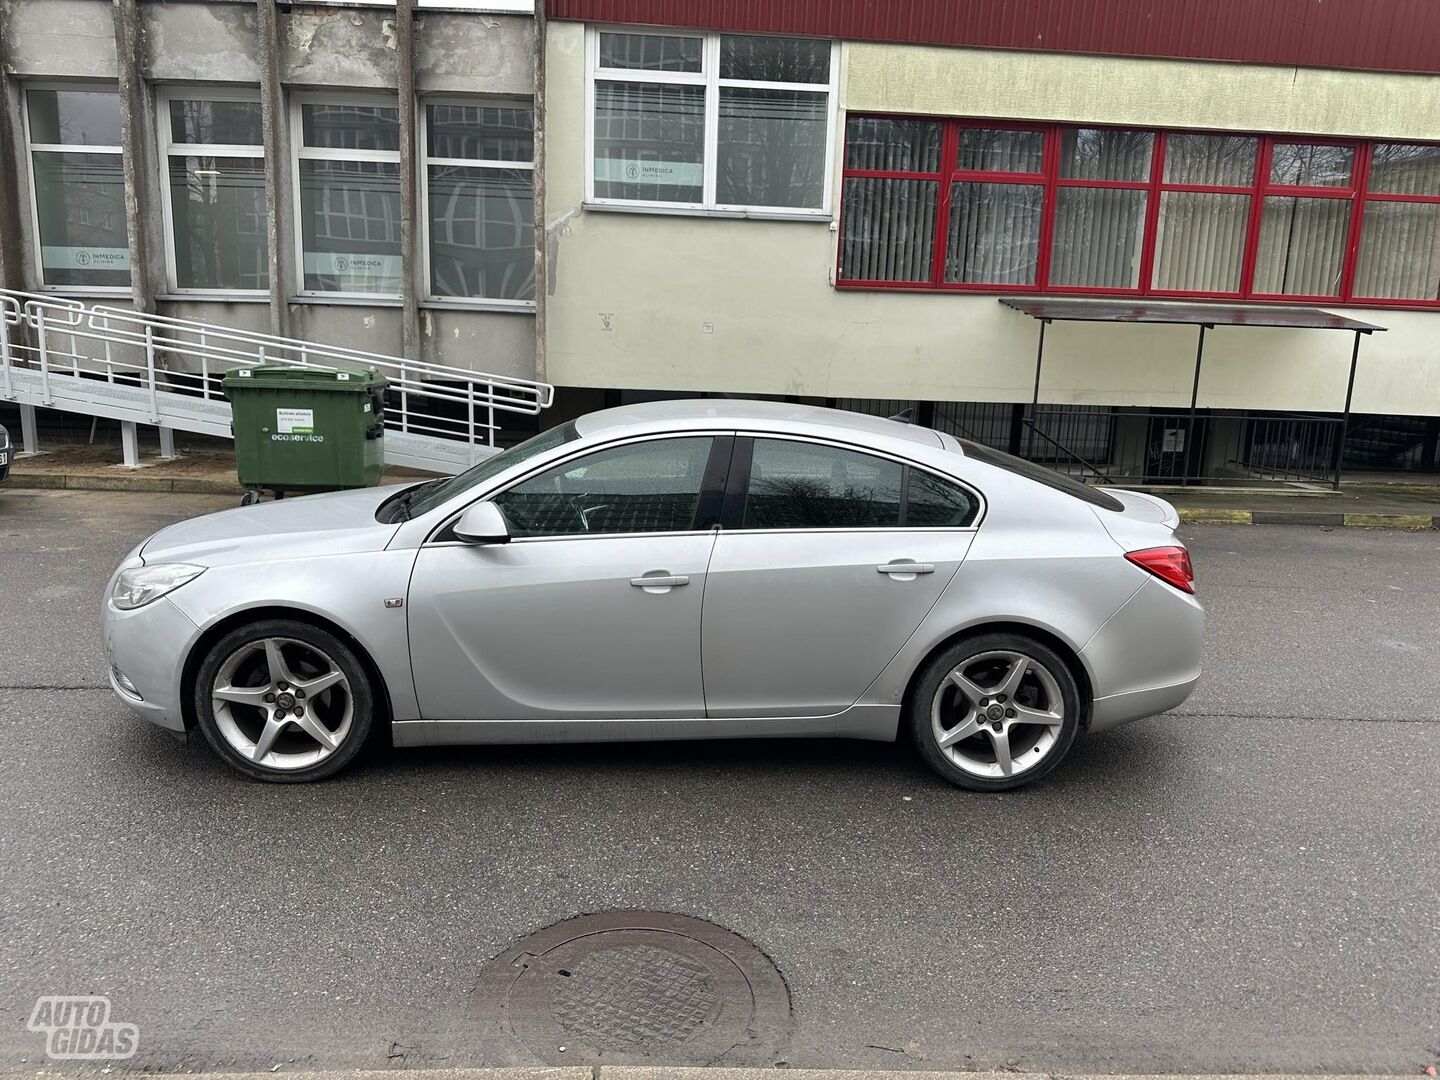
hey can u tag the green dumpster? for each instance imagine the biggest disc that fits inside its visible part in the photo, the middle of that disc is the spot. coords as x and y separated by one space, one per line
306 429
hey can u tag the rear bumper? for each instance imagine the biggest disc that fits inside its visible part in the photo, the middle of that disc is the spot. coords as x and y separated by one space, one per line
1146 658
1111 712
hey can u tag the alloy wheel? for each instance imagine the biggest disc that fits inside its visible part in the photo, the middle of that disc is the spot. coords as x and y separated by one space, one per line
282 703
998 714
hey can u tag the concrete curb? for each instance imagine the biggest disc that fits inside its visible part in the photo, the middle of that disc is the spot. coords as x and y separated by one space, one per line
1208 516
648 1072
182 485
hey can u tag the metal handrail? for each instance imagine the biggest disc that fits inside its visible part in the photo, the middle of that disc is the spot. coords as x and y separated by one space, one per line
1030 423
141 348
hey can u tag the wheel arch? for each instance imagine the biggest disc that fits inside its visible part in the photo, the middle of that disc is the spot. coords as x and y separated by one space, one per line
1038 633
236 619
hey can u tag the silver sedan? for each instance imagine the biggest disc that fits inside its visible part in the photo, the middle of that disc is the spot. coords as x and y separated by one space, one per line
671 571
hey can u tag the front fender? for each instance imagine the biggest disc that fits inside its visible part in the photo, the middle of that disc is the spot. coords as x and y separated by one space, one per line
348 590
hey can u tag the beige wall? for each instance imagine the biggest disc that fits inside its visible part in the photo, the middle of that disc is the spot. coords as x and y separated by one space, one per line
693 303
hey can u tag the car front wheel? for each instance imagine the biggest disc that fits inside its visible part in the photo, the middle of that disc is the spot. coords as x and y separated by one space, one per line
995 712
284 701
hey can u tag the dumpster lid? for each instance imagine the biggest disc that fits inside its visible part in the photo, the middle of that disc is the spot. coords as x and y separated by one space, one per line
307 378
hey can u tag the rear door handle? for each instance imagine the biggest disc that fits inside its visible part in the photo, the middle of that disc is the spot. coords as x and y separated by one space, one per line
910 568
659 581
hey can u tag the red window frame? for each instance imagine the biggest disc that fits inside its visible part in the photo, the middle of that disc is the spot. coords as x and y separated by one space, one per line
1356 193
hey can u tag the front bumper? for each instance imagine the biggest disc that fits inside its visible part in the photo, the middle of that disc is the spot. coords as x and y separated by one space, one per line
149 645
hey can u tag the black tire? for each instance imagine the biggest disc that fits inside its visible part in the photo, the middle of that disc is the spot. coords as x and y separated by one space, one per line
920 717
304 637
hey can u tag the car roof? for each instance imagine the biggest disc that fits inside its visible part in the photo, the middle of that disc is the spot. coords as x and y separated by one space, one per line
777 416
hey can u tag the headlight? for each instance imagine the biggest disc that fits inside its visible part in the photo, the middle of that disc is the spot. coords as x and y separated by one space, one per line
138 587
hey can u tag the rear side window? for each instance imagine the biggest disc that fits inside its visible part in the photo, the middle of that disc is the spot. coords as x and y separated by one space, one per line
797 485
1041 475
801 485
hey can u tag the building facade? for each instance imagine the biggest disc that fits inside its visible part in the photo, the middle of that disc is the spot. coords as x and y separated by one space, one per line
828 200
251 165
822 201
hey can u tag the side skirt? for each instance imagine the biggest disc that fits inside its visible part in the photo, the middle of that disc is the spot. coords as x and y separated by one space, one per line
879 723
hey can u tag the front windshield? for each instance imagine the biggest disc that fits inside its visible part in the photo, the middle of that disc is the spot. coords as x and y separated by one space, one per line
428 496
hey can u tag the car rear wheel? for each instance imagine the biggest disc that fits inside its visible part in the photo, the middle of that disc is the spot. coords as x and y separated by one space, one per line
995 712
284 701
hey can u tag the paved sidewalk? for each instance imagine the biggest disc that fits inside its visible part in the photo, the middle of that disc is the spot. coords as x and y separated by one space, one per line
207 466
662 1072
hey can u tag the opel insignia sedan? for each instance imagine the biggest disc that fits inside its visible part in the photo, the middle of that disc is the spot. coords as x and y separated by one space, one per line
679 570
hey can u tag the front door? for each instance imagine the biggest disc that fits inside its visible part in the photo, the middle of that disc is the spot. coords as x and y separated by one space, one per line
834 559
592 610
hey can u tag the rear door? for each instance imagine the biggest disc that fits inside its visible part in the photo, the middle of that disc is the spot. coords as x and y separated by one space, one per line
828 559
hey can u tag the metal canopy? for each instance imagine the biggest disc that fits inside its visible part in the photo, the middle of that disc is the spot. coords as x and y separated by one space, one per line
1300 318
1206 316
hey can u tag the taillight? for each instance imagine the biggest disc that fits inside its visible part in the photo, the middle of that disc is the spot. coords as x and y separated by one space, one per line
1170 564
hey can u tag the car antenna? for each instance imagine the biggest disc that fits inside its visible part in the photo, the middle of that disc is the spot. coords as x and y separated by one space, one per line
905 416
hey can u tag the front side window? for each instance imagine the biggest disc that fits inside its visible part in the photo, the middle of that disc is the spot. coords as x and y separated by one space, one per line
1000 206
73 140
348 179
479 194
214 167
711 121
644 487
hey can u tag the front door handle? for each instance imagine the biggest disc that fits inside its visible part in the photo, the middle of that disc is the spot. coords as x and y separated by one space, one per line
659 580
905 568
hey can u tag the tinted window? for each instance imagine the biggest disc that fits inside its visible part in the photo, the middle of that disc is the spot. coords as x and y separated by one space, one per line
640 488
936 503
796 485
1041 475
428 496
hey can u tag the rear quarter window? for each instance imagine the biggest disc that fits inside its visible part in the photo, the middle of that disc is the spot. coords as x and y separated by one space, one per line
1041 475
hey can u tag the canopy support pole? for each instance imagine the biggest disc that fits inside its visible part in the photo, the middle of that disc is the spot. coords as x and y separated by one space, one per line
1191 436
1035 397
1345 417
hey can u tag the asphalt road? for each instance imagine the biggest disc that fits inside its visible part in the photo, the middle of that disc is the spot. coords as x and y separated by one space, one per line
1249 884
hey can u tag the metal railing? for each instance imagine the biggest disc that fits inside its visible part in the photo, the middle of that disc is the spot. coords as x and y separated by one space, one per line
56 335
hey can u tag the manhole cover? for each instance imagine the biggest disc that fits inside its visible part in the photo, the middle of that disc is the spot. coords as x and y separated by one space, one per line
628 987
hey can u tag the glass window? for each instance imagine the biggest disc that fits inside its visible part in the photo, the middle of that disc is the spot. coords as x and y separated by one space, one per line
771 150
762 105
433 493
935 503
1001 150
651 52
798 485
1302 246
349 174
1405 169
644 487
994 233
1105 154
74 117
774 59
1213 160
1399 251
1098 233
215 172
1200 241
79 186
887 229
1301 165
885 145
649 142
1041 475
480 201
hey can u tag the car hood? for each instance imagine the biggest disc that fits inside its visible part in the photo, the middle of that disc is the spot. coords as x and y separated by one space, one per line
338 523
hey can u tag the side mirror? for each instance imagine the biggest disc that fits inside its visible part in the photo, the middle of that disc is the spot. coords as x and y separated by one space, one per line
483 523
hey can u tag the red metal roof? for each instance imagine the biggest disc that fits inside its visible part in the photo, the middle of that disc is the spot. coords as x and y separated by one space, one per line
1380 35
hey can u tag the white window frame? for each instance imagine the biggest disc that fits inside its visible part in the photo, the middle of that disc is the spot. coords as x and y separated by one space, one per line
31 147
709 77
168 149
425 161
300 152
